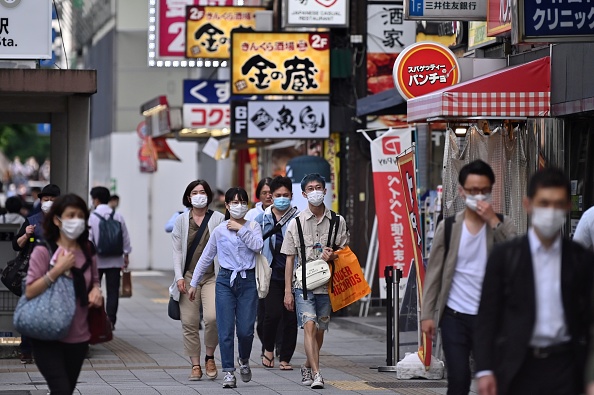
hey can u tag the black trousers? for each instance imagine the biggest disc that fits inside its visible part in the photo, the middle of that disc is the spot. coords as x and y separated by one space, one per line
457 330
278 319
555 375
60 364
112 284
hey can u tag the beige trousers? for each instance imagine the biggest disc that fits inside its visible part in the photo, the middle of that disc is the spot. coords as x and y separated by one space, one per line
190 316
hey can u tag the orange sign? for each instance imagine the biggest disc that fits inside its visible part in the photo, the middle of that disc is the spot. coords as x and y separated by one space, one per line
499 17
423 68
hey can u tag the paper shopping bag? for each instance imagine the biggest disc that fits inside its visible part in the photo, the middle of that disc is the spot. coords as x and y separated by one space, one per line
126 288
348 280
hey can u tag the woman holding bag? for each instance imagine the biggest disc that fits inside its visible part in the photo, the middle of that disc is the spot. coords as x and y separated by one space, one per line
236 242
190 234
66 231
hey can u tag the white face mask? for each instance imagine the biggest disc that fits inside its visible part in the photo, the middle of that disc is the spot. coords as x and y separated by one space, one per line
45 206
472 200
199 201
72 228
238 212
315 198
548 221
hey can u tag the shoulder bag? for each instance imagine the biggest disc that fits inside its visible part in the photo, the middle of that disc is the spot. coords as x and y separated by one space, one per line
16 269
263 271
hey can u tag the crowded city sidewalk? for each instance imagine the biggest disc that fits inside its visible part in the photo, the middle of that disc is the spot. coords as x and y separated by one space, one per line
146 357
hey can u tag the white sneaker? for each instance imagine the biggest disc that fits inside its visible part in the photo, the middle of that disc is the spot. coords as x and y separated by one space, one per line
229 380
245 371
318 381
306 378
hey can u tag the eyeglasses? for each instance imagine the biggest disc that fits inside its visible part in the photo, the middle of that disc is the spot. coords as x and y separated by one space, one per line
478 191
311 189
236 203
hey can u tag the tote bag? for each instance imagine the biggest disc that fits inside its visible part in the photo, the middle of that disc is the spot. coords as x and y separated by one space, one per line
99 325
349 282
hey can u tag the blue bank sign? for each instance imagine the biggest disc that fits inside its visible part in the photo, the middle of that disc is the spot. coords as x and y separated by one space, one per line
554 21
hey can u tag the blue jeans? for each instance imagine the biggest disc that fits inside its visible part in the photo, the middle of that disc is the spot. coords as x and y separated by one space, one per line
236 306
316 308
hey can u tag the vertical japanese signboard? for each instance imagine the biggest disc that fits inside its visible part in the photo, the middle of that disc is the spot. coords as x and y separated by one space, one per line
294 119
452 10
25 29
206 104
550 21
208 29
316 13
280 63
395 239
499 17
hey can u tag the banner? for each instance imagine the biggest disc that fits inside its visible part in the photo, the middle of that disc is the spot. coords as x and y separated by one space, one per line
331 150
208 29
265 63
390 205
291 119
406 163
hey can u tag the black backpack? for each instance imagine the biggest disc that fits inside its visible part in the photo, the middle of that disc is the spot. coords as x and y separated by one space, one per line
111 238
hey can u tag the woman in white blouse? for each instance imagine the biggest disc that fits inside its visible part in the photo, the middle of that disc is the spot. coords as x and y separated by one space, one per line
235 242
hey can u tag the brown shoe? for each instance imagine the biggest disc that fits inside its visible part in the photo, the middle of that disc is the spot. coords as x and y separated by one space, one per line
196 373
211 369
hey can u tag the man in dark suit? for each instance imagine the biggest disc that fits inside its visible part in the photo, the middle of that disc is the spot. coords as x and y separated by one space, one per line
533 320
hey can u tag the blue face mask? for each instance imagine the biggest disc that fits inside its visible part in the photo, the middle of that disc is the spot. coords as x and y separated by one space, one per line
282 203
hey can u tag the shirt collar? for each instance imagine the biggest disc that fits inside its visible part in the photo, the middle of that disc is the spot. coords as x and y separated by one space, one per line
309 214
537 246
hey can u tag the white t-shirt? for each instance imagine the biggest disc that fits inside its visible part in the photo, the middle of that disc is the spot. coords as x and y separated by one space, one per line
584 233
467 283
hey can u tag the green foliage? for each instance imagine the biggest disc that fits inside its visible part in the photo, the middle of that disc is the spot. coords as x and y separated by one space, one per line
23 140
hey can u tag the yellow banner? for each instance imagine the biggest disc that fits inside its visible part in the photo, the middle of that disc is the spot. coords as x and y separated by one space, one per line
331 149
266 63
208 29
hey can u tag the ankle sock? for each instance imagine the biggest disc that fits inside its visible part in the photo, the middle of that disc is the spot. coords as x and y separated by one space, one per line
206 358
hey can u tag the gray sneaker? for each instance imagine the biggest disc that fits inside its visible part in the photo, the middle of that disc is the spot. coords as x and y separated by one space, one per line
306 378
318 381
229 380
245 371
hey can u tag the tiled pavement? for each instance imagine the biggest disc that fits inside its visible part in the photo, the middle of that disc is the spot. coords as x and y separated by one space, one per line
146 358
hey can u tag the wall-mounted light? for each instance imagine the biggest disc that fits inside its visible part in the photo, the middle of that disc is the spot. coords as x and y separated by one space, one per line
460 131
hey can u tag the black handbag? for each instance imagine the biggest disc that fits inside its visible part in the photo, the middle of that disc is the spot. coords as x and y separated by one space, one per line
173 309
16 270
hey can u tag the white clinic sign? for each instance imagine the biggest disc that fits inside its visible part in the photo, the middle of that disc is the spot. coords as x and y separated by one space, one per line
25 29
306 13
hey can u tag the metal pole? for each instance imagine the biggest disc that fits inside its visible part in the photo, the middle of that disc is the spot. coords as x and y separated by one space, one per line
391 319
396 277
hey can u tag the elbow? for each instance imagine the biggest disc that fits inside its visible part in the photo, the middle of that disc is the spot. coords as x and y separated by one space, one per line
28 293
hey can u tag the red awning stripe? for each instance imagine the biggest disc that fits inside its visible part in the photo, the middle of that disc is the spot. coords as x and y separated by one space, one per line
520 91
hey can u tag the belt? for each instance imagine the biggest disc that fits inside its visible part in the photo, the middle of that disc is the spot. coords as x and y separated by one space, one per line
545 352
454 312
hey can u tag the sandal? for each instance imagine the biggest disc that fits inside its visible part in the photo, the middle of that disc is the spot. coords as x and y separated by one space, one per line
285 366
270 361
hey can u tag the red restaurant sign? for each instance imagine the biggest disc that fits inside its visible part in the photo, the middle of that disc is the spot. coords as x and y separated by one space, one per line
499 17
423 68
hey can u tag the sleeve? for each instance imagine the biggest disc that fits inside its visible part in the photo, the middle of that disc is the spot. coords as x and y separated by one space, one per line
171 222
126 235
208 255
15 245
433 274
343 233
38 264
251 235
583 234
506 231
289 247
176 242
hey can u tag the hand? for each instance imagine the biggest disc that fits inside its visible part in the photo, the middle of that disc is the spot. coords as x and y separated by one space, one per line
181 285
590 388
234 225
328 254
192 293
289 301
95 297
29 230
65 261
487 385
428 328
126 261
485 211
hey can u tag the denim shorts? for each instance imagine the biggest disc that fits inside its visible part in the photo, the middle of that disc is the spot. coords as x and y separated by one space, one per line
316 308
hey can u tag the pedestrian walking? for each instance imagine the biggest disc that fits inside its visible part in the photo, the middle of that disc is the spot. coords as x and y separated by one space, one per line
278 320
109 233
190 235
584 232
535 308
456 269
66 231
236 241
314 308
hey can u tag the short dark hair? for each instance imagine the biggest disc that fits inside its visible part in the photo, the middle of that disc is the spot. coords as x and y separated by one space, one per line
100 193
14 204
51 231
550 177
264 181
241 194
279 182
193 185
477 167
35 189
114 197
313 177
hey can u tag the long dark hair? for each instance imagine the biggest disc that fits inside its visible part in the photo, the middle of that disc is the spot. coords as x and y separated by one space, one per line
52 231
241 194
193 185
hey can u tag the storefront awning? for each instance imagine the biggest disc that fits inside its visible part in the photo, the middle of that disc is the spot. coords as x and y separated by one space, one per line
388 102
520 91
